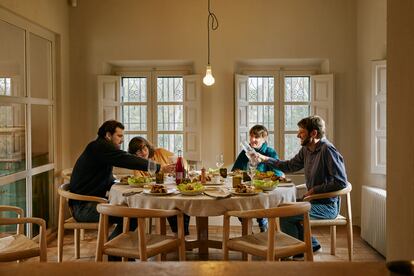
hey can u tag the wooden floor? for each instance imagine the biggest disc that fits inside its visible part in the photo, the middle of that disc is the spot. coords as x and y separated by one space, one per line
362 251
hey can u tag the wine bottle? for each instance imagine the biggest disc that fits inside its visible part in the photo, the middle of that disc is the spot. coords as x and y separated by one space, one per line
179 169
250 152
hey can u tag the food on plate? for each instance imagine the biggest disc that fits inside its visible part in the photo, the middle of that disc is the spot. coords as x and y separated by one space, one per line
264 175
244 189
191 187
124 179
158 189
139 181
265 184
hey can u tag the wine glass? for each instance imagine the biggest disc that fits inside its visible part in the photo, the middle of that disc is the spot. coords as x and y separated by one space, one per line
219 160
251 169
152 167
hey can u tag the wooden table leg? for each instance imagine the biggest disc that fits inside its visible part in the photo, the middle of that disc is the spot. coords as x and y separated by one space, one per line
202 236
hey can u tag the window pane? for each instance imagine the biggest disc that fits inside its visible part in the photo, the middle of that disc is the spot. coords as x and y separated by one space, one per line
13 194
134 117
271 140
261 89
41 130
292 145
12 53
12 139
171 142
262 115
170 117
293 114
134 90
170 89
297 89
128 137
40 51
42 198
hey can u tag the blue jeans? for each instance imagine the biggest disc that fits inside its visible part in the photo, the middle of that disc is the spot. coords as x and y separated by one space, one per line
86 212
293 225
261 221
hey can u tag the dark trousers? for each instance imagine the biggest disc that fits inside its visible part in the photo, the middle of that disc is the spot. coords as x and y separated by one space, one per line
173 224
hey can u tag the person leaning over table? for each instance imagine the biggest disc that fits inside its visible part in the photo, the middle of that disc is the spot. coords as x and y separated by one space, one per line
324 172
92 173
258 141
141 147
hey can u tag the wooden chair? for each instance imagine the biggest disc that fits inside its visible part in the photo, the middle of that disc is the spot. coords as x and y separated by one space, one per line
17 247
137 244
71 223
339 220
66 174
272 244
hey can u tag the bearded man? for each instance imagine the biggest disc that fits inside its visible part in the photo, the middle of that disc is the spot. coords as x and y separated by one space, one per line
324 171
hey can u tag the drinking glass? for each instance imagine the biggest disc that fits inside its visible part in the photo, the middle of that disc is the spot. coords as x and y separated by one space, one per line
152 167
251 169
219 160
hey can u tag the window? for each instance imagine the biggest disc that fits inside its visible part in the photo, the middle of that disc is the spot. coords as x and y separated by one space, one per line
27 115
379 117
168 118
163 107
278 100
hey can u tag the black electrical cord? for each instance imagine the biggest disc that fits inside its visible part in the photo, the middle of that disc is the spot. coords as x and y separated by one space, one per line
214 26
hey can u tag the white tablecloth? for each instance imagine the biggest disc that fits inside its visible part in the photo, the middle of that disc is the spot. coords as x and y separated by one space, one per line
202 205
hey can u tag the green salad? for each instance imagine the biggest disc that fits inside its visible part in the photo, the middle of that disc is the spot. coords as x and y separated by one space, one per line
139 181
260 184
191 187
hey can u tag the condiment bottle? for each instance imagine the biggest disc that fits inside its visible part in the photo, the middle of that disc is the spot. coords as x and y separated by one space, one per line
179 169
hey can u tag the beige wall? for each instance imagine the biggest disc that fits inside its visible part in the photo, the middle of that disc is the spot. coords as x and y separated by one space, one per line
371 45
54 16
400 131
103 31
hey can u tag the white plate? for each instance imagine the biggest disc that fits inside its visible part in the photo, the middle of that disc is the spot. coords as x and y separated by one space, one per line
268 188
286 184
217 193
191 193
244 194
169 192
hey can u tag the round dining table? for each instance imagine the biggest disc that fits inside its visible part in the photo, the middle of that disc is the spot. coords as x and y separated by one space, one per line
202 206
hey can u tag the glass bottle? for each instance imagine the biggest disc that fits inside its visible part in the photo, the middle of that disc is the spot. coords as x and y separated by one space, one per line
203 177
179 168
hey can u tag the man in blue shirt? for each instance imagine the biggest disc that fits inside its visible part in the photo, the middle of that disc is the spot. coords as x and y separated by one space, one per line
258 141
324 172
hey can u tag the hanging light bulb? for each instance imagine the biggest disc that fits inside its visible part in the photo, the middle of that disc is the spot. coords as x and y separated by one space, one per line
208 78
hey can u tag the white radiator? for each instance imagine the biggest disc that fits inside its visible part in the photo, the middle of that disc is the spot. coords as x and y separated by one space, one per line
373 217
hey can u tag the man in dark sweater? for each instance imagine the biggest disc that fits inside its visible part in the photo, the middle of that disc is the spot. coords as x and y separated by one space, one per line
92 173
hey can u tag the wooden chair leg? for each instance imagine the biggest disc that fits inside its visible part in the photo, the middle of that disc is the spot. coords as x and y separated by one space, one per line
77 243
350 241
181 236
333 239
61 229
100 239
226 237
82 234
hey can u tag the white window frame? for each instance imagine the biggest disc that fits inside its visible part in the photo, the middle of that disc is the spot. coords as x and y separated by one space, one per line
279 104
27 101
379 117
191 105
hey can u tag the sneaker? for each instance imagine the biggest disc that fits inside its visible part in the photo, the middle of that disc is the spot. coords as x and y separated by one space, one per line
315 249
263 228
